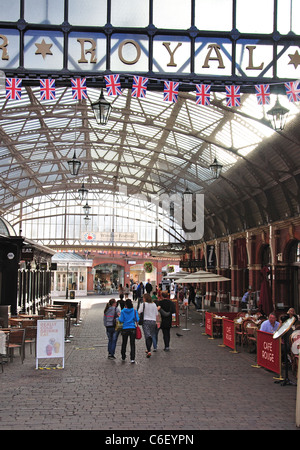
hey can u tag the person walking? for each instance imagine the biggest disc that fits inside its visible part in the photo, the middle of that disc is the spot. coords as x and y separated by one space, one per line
148 287
139 294
109 319
149 324
129 317
166 308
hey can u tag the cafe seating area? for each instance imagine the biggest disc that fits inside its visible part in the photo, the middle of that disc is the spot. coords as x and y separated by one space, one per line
246 326
243 330
21 331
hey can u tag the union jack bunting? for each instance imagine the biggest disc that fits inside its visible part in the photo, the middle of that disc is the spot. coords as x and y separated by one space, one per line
139 87
47 89
292 91
13 88
203 94
263 94
79 88
113 84
171 91
233 96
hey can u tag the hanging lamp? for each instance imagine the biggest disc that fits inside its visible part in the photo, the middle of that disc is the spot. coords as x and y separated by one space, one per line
102 109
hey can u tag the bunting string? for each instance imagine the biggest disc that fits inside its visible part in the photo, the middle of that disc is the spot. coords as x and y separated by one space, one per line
139 90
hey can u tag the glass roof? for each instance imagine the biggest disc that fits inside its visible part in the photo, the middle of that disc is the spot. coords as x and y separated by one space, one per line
149 145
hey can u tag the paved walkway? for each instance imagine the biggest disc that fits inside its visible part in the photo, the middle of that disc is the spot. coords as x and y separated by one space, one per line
196 386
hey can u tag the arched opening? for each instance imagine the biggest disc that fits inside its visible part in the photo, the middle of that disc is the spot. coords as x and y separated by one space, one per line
107 278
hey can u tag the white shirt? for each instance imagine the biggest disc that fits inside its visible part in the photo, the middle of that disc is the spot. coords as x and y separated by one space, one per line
150 311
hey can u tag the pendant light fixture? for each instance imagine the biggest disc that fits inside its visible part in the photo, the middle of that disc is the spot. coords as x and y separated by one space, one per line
216 168
278 115
102 109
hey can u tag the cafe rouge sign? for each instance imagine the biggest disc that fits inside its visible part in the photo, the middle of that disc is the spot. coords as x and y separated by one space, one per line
88 52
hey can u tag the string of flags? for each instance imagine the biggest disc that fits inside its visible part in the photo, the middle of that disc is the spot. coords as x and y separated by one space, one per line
139 90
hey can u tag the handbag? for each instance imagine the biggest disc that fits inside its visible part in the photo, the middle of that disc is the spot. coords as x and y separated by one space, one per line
119 325
138 331
141 316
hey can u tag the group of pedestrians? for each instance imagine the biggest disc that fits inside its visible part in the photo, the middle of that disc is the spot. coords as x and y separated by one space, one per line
156 315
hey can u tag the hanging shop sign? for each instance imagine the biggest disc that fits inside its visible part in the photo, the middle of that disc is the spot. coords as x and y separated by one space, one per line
211 257
27 253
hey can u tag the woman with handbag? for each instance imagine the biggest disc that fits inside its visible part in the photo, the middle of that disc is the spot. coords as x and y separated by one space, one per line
149 311
129 317
109 320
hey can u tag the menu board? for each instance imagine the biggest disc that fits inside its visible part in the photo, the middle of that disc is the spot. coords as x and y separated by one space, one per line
50 338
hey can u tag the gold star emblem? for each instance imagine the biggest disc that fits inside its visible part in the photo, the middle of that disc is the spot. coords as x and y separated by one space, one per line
295 59
43 49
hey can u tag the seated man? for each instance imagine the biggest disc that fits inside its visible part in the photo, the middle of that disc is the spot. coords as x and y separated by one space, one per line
270 325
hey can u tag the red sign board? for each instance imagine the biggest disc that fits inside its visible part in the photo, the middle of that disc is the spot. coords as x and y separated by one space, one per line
228 333
268 351
209 323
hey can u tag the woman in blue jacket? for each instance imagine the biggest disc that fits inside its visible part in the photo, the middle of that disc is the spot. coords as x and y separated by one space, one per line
129 317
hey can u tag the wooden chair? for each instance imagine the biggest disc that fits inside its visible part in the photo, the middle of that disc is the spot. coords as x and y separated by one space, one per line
239 334
217 327
60 314
251 331
30 337
27 323
16 339
3 338
14 321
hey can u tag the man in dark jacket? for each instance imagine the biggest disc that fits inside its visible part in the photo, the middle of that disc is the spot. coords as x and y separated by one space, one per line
166 308
148 287
139 293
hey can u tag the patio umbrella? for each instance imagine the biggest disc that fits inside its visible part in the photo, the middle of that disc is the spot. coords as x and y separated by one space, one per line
175 275
205 278
265 299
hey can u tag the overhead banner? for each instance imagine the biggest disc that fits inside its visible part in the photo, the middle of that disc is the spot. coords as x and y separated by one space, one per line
87 52
107 236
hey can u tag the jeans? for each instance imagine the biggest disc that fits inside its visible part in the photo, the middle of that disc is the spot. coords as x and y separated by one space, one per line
155 338
128 333
198 302
112 335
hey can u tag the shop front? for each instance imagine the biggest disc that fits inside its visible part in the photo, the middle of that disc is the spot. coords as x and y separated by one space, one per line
143 273
70 276
107 278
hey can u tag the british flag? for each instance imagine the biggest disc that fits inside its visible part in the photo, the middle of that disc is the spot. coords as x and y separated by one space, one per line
263 94
13 88
47 89
233 96
113 84
139 87
203 94
79 88
171 91
292 91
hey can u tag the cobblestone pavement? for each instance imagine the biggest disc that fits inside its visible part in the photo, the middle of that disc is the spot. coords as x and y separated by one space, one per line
198 385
